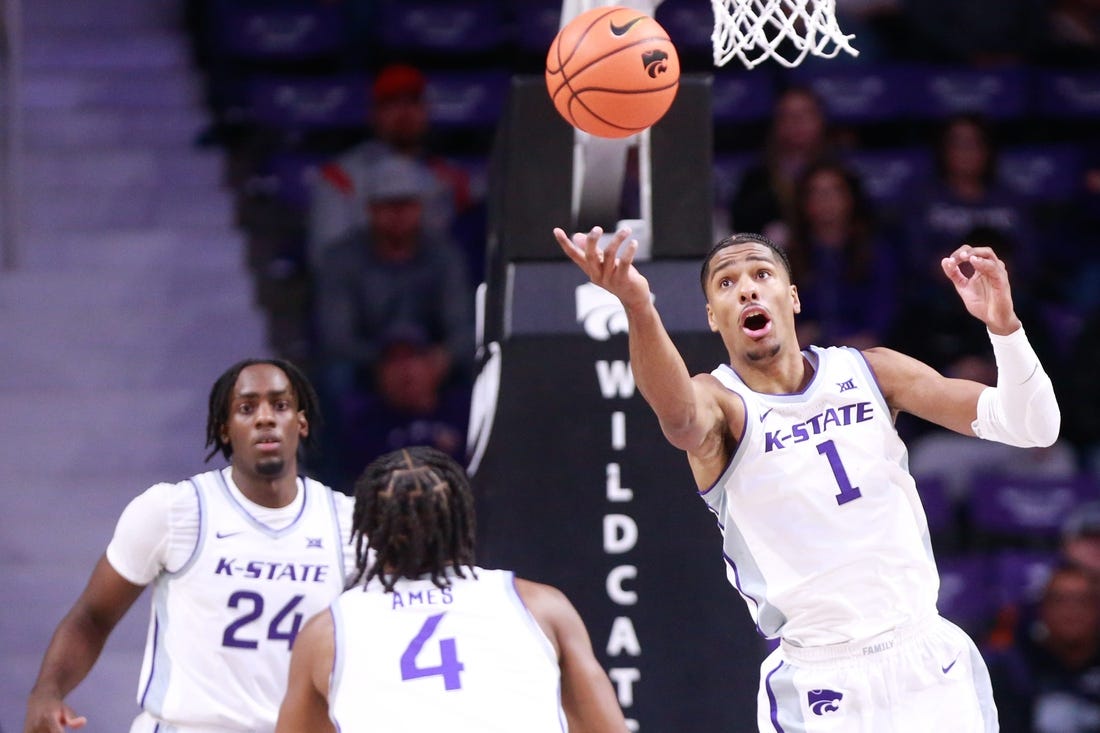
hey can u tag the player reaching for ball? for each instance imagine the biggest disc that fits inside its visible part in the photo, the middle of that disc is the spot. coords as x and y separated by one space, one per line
238 557
796 454
423 640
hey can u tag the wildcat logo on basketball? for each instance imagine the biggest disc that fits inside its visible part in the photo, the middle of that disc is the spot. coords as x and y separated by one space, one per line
824 701
654 62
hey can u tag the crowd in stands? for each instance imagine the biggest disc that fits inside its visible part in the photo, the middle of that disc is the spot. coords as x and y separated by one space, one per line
357 136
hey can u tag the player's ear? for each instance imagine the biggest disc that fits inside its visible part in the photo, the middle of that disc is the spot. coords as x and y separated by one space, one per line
795 300
303 424
710 319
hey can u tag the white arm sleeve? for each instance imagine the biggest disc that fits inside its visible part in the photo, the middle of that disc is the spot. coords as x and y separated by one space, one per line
1021 410
156 531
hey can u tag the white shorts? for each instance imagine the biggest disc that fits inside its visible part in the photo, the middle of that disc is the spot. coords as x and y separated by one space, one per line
926 676
146 723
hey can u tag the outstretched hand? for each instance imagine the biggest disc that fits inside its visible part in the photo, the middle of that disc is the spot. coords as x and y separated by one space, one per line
981 280
611 268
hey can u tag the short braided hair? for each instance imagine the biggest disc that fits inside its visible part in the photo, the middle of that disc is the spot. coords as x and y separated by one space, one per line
414 508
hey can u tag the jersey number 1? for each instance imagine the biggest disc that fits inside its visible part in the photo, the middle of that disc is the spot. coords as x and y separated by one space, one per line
847 491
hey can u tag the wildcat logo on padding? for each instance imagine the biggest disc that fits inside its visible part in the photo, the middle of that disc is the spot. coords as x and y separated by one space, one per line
600 312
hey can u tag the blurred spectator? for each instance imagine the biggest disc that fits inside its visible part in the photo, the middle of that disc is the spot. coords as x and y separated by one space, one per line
964 193
1080 541
1048 680
1072 34
411 404
844 271
391 272
400 125
797 137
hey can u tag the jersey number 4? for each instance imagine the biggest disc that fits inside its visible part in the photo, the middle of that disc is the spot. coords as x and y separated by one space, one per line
847 491
448 667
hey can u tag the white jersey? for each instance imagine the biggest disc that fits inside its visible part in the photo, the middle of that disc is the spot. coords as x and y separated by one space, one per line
469 657
824 534
223 623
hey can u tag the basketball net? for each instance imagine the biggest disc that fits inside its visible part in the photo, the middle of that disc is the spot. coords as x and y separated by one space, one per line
784 30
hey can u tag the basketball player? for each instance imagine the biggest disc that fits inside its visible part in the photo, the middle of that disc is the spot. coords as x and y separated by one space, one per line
238 558
796 454
424 640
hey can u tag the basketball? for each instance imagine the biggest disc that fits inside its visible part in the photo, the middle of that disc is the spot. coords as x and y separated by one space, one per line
612 71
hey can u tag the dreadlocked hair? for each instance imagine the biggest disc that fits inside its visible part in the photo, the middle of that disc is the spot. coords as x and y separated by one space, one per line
221 396
415 510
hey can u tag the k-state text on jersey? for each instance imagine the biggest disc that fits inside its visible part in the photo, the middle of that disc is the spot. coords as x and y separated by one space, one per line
267 570
849 414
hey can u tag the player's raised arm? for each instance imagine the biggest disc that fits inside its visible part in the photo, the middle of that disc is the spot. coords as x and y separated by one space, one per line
1022 409
687 411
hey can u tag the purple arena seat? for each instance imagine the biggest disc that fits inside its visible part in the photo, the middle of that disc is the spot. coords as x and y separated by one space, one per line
999 94
890 175
296 103
859 95
1027 506
741 97
1043 173
965 596
1021 575
466 98
536 22
442 26
285 175
937 504
287 31
1069 94
688 23
728 168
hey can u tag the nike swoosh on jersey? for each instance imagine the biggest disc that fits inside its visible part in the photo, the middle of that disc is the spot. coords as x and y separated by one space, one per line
764 414
948 667
223 535
620 30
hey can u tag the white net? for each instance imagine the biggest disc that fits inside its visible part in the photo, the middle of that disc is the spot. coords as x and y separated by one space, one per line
785 30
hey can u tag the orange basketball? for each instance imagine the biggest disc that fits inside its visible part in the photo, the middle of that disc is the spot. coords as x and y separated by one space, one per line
612 71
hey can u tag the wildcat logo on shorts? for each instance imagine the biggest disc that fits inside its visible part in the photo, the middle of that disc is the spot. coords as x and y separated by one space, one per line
824 701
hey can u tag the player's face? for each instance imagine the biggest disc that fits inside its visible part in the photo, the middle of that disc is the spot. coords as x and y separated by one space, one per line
750 301
265 425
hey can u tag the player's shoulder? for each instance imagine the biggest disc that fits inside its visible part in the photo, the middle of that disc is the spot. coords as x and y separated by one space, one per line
540 596
885 362
188 488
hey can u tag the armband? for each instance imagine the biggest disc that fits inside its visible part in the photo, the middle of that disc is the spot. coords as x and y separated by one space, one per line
1021 410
